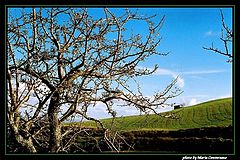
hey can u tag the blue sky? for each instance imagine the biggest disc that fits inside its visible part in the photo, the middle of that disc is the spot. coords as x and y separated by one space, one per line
204 75
185 32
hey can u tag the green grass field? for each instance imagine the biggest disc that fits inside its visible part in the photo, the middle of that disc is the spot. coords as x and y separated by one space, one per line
208 114
207 126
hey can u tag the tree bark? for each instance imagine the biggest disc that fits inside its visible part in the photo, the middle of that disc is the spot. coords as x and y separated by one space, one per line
54 123
24 142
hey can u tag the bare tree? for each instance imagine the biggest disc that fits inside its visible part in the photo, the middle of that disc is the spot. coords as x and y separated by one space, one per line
226 38
61 61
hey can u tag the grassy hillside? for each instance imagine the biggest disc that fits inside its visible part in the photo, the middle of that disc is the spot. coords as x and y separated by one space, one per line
208 114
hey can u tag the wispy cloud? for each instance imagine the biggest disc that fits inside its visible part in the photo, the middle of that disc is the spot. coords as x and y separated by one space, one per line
192 102
181 82
200 98
201 72
220 97
197 96
211 33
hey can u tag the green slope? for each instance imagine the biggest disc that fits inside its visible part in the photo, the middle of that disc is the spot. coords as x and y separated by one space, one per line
212 113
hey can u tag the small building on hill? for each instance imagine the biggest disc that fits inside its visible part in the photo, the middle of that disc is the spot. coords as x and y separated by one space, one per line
177 106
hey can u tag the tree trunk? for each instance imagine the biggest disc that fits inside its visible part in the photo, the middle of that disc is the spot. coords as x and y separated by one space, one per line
24 142
55 126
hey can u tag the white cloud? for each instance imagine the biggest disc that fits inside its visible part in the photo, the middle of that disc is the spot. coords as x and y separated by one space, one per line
202 72
161 71
197 99
192 102
222 96
209 33
123 111
189 100
226 96
100 111
181 82
197 96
